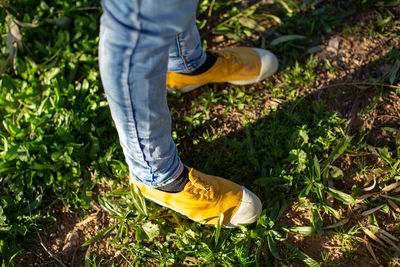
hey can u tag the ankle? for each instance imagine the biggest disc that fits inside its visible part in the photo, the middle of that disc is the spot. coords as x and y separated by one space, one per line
208 63
178 184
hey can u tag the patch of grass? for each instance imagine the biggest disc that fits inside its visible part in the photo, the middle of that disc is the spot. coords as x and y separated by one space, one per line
55 120
58 144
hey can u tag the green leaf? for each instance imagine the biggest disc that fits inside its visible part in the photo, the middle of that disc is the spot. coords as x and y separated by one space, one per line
287 38
107 206
316 221
332 211
337 151
140 234
339 195
138 200
319 192
33 205
388 3
120 231
393 72
3 217
38 166
272 246
151 229
99 235
299 158
278 209
7 168
11 128
285 6
265 221
218 227
86 195
267 16
305 191
49 78
5 229
335 172
385 154
304 136
301 230
302 256
251 23
315 49
373 220
274 211
87 258
317 168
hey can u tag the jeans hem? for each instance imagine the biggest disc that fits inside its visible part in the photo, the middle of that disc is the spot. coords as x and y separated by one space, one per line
164 183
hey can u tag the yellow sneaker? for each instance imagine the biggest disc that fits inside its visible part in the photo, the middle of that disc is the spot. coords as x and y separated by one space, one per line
237 65
205 196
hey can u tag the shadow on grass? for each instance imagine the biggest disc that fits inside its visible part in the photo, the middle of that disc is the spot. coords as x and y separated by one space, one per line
270 154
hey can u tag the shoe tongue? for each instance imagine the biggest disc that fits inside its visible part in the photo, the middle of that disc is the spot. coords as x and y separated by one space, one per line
196 181
193 177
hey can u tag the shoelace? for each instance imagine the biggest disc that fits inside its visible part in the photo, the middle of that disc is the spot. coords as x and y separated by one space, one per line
201 188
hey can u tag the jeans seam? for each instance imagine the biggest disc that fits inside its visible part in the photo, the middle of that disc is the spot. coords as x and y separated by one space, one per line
133 133
178 41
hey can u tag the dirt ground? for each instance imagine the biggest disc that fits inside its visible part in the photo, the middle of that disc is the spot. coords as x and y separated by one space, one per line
355 58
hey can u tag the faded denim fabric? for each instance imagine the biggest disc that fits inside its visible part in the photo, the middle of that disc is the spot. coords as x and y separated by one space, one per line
139 42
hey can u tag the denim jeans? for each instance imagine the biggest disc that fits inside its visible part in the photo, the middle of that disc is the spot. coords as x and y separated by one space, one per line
140 40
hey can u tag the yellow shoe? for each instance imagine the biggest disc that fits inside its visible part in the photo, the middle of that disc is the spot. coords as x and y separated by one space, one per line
237 65
205 196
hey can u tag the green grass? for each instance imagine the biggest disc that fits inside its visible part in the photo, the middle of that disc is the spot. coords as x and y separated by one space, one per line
58 144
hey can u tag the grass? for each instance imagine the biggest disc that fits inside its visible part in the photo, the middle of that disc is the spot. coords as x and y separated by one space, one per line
59 146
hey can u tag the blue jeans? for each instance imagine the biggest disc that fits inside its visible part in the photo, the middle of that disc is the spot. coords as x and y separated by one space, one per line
140 40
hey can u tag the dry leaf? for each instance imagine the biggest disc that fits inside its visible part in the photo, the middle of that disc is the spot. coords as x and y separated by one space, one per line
11 45
361 199
340 223
385 233
373 236
387 240
393 205
251 23
71 240
390 187
390 197
88 219
26 24
368 212
371 251
16 34
369 188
